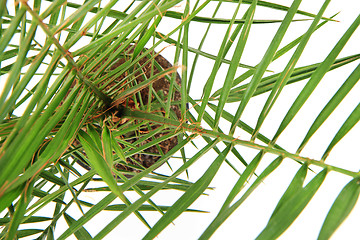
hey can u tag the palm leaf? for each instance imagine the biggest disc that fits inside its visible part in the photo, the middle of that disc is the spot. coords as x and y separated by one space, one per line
73 121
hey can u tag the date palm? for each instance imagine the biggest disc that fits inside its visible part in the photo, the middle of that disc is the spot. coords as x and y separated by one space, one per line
69 102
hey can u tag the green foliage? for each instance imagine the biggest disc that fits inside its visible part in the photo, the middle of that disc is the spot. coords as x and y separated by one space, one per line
66 105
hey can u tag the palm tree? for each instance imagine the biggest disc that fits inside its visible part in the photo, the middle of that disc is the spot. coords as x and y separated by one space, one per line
90 107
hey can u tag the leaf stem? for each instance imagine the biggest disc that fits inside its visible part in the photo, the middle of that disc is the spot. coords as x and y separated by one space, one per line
194 128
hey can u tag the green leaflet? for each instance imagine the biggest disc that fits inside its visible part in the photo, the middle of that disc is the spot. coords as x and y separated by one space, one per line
189 196
340 209
331 105
344 129
81 233
292 203
98 162
286 74
316 78
224 213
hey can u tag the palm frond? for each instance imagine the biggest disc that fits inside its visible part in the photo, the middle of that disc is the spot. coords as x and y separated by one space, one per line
82 114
